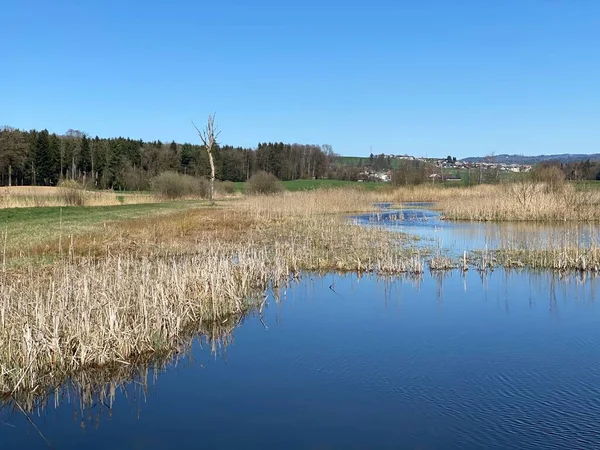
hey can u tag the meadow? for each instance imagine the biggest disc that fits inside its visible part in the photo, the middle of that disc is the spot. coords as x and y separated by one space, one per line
309 185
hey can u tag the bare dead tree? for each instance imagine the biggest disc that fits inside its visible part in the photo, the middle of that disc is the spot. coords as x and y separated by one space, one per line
208 136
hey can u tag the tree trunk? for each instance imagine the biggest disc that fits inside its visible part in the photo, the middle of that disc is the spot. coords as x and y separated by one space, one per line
10 175
62 157
212 176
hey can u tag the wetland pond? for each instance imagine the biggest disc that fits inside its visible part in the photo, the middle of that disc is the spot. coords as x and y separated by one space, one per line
446 360
420 220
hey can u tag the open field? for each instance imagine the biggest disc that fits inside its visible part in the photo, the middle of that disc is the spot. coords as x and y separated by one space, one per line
307 185
27 231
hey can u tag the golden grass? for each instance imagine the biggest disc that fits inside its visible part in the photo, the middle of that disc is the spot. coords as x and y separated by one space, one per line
311 203
94 388
522 201
84 313
35 196
517 201
564 250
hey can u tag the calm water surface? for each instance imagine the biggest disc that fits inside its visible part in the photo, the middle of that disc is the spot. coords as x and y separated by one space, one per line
507 360
419 220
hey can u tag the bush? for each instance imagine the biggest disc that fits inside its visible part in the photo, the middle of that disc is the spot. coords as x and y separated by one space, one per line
134 179
174 185
71 192
226 187
409 173
551 176
263 183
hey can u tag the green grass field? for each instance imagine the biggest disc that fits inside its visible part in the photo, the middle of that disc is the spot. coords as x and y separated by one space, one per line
587 184
28 227
307 185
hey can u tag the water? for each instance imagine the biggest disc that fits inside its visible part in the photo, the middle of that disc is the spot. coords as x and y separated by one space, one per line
417 219
505 360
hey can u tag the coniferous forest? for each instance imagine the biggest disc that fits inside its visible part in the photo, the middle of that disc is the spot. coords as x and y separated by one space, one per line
42 158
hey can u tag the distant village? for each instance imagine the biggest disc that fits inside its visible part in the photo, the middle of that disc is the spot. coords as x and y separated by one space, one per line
446 169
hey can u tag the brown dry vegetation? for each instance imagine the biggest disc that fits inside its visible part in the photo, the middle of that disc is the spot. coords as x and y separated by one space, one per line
523 201
94 388
144 285
558 259
138 286
36 196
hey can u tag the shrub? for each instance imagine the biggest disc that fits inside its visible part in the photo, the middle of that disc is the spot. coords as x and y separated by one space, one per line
203 187
71 192
226 187
263 183
551 176
409 173
134 179
174 185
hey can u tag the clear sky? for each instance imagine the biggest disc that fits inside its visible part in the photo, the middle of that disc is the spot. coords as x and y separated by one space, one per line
423 77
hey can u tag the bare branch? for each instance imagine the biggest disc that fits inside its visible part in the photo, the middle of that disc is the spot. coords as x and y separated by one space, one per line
208 136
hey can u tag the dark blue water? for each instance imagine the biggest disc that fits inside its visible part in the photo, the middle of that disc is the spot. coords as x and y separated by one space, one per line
510 360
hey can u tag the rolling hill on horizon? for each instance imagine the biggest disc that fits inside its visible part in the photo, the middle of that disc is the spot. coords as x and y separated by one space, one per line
503 158
532 160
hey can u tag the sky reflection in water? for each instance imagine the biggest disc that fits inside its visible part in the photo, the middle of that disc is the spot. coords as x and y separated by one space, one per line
504 360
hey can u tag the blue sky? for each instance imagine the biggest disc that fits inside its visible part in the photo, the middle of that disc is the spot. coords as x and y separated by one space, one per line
424 77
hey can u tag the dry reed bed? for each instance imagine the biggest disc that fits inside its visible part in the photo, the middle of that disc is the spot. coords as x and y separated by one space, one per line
560 259
523 201
137 287
38 196
311 203
92 388
84 313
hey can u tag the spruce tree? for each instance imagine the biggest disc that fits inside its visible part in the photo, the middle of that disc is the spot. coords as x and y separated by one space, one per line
42 167
85 155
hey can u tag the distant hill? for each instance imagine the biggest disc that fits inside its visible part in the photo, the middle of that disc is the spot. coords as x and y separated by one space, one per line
532 160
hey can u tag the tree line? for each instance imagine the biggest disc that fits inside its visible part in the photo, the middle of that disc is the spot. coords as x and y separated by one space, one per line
578 171
42 158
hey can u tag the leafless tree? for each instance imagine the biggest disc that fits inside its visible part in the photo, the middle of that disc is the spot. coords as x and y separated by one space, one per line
208 136
523 190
